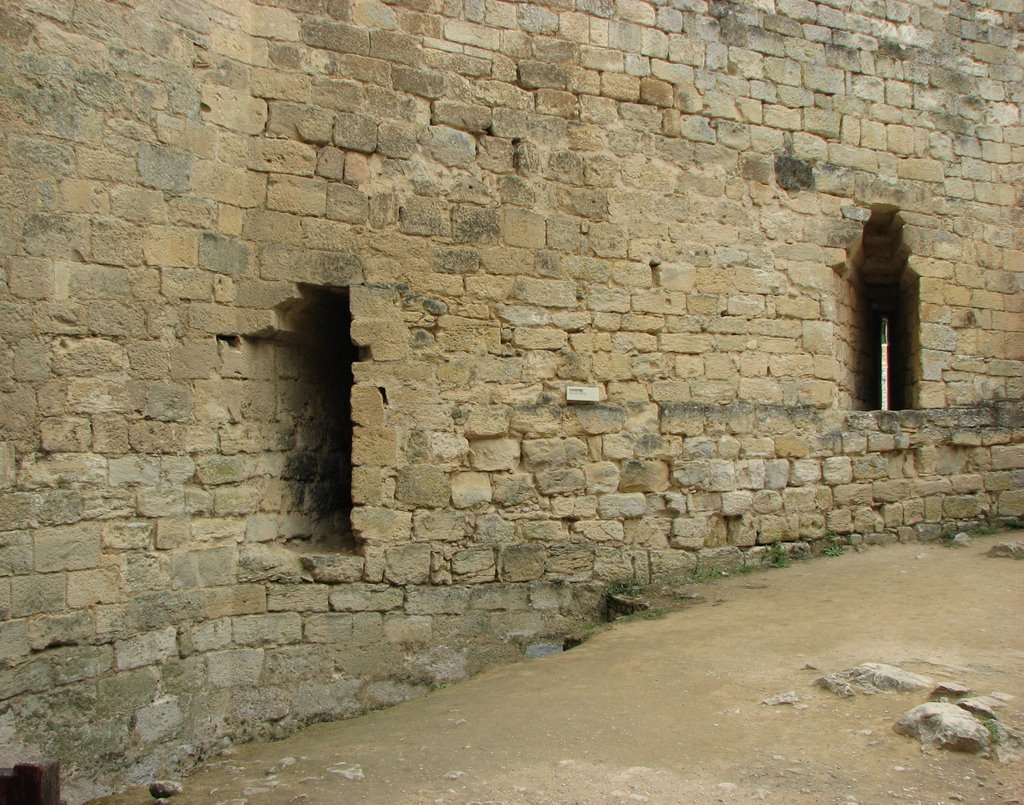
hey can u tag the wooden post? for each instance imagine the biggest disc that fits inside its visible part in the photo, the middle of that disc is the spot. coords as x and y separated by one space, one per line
34 782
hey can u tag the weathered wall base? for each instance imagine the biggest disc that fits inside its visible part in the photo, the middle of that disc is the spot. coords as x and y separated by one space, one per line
122 693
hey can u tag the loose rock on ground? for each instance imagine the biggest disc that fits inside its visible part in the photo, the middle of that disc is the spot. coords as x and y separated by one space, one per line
871 677
1007 550
946 726
164 789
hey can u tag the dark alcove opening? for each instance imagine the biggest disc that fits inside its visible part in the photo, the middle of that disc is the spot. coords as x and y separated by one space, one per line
886 304
316 367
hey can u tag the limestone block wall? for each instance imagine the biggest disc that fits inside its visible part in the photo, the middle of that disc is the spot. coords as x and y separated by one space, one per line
290 295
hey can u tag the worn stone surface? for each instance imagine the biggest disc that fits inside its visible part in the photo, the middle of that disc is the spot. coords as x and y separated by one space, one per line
1007 550
165 788
334 569
983 707
946 690
872 678
945 726
789 697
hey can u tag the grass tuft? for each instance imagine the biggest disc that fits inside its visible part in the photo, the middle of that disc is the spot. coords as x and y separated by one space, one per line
776 555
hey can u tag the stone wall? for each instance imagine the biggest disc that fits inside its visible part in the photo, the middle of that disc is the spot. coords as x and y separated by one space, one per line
290 296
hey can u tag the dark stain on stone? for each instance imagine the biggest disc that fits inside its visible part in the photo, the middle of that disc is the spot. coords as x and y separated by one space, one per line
792 173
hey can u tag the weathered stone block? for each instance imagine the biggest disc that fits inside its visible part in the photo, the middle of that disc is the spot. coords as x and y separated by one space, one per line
28 677
961 507
376 447
8 465
333 569
396 139
347 204
14 641
67 548
437 601
335 36
234 668
329 627
721 476
223 255
15 553
439 526
736 503
690 532
643 476
297 121
377 525
804 471
837 470
474 565
165 168
490 420
448 146
602 477
553 452
233 109
53 235
465 116
282 156
366 597
367 405
1011 503
1007 457
597 418
423 486
408 564
494 454
145 649
417 216
425 83
296 598
261 562
545 293
521 563
271 629
470 488
516 489
616 506
472 224
400 628
724 558
386 338
608 532
355 132
560 480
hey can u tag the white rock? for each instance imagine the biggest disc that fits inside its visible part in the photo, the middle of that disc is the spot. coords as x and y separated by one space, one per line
984 707
350 771
789 697
871 677
945 726
1008 550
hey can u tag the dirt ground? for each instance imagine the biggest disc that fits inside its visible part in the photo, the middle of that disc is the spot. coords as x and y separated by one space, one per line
669 710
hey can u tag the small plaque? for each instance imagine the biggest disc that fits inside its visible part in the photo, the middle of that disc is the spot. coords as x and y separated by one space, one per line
582 393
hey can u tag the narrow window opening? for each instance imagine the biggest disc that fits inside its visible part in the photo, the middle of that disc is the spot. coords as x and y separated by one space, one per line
315 373
884 302
233 341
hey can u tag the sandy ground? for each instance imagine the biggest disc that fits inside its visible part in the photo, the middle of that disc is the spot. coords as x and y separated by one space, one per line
669 710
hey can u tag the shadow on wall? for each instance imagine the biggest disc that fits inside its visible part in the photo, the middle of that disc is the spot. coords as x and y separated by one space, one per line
886 305
314 371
